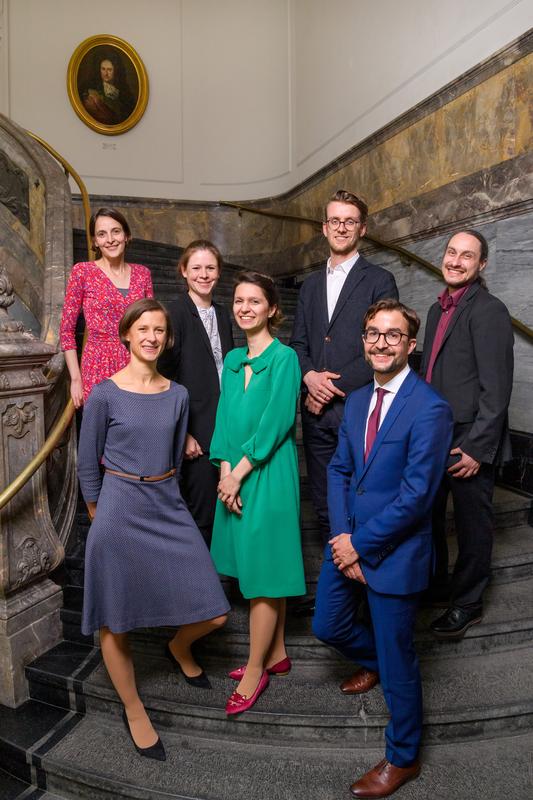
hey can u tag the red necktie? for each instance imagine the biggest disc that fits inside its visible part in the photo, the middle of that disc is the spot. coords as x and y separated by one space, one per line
373 422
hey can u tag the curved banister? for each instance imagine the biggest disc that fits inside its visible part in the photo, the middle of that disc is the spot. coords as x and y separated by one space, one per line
406 255
65 419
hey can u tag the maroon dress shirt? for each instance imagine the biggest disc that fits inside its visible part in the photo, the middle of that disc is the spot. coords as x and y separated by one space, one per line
448 303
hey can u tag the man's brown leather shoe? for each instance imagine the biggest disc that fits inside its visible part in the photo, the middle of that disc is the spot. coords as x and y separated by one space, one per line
361 681
384 779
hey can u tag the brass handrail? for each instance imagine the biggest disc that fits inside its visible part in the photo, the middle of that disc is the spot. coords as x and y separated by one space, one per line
65 419
407 255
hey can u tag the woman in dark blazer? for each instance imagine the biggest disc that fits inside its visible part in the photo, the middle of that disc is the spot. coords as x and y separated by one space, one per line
203 336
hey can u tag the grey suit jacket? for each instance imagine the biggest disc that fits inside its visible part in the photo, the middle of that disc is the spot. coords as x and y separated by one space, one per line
474 372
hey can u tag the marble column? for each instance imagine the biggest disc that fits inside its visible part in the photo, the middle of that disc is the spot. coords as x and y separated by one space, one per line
29 547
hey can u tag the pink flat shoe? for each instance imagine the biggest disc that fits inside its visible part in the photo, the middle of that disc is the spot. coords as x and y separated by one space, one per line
238 703
283 667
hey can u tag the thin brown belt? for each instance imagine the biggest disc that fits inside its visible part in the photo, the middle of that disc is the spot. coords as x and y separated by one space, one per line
143 478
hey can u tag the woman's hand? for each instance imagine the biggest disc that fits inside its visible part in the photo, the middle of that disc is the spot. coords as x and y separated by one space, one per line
236 508
76 392
91 510
228 492
192 448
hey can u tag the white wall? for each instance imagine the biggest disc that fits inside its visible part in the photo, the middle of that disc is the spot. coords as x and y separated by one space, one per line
247 97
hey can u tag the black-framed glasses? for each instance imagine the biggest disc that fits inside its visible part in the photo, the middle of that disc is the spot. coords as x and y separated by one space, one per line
350 223
392 337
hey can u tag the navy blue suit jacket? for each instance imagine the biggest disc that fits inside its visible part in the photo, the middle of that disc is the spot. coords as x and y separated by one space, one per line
386 503
336 345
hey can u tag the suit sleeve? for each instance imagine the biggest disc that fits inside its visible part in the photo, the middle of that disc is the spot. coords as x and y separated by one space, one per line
279 415
340 471
93 434
428 447
300 335
492 339
356 372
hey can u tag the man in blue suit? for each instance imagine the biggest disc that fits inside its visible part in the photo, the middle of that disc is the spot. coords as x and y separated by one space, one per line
393 446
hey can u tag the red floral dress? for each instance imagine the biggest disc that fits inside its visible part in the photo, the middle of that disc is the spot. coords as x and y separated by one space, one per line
103 305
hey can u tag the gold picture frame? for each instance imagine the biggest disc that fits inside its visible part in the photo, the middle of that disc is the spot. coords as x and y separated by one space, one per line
107 84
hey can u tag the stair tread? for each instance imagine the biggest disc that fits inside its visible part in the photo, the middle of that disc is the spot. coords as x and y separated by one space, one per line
312 691
197 768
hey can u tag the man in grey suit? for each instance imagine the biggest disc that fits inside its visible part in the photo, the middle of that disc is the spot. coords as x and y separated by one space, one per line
327 336
468 358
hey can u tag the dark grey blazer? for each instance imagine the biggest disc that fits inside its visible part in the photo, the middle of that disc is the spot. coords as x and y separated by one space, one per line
474 372
336 345
191 363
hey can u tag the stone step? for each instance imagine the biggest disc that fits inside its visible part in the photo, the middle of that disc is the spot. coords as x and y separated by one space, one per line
199 769
92 757
471 697
507 621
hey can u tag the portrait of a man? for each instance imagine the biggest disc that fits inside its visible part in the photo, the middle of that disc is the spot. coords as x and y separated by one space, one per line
107 84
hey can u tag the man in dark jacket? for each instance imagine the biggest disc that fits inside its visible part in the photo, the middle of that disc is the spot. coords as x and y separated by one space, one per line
468 358
327 336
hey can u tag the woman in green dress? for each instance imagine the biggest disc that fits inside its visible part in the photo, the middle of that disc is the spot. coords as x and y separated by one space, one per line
256 535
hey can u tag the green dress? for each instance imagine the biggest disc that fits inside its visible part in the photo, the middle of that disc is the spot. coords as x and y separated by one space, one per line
261 548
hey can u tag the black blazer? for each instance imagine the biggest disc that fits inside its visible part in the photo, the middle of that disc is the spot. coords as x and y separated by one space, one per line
191 363
336 345
474 372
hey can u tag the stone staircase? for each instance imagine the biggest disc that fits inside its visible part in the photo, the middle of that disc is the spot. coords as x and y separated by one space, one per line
302 739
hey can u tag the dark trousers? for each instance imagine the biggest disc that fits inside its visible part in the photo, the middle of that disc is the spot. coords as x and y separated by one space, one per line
474 527
320 436
198 483
386 646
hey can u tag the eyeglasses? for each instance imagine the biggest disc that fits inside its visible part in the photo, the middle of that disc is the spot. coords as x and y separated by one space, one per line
350 223
392 337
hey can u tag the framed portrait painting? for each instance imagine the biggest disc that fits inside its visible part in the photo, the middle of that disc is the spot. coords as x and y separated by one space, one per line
107 84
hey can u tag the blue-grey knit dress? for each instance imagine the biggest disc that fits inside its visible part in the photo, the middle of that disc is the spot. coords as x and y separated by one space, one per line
146 563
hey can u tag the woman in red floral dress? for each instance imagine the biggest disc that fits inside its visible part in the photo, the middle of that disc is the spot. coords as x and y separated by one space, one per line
103 289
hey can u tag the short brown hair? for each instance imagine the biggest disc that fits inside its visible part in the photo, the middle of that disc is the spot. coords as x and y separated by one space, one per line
269 289
136 310
108 212
193 247
342 196
411 317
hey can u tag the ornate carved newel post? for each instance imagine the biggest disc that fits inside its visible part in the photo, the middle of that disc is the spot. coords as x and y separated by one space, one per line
29 548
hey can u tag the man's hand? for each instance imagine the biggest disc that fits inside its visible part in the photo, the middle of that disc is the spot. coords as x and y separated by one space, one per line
313 406
466 467
320 386
192 448
354 572
343 551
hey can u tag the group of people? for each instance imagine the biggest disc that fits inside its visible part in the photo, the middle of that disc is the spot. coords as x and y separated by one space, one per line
188 464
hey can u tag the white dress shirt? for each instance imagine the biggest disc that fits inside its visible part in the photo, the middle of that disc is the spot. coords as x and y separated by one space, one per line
392 387
336 277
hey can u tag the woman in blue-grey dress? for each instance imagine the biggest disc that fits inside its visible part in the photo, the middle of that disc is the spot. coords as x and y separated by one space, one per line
146 562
